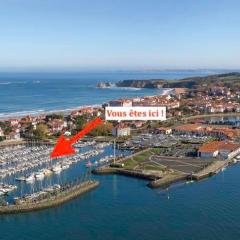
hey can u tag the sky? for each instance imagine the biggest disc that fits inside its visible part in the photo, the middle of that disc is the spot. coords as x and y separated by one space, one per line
119 34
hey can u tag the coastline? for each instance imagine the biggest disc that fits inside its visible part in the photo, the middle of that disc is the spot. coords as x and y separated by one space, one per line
18 115
39 112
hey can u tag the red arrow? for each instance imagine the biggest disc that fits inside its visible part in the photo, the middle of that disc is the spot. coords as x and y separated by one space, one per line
64 146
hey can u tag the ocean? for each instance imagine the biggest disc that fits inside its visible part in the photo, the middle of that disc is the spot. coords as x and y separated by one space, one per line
36 93
122 208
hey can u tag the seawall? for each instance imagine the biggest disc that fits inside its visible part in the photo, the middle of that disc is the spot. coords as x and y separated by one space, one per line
60 198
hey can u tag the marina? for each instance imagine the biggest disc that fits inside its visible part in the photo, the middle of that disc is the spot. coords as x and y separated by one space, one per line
27 171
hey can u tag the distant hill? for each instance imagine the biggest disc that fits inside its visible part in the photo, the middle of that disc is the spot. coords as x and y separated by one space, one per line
231 80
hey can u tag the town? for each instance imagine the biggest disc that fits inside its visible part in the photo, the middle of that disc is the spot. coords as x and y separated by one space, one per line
189 113
199 138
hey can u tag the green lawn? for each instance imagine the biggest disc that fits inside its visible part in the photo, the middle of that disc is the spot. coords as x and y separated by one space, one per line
136 160
141 161
157 150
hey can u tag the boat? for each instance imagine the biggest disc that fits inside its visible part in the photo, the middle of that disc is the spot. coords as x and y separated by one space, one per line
88 164
5 189
65 166
30 178
223 169
20 179
47 172
39 175
57 168
235 160
57 186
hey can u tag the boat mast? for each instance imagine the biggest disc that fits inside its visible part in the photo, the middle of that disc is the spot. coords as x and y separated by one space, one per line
114 150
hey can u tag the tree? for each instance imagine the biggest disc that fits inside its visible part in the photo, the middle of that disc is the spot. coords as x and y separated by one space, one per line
54 116
81 121
7 130
102 129
41 131
2 138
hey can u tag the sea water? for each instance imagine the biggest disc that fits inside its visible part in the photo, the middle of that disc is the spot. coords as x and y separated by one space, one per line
35 93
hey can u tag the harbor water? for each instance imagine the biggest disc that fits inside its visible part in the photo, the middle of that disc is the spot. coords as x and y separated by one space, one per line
124 208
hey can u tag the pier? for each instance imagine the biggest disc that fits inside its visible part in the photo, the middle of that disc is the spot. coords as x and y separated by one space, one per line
138 174
210 170
52 201
162 171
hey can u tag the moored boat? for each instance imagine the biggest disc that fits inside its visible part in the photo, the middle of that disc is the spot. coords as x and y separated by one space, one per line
30 178
57 168
88 164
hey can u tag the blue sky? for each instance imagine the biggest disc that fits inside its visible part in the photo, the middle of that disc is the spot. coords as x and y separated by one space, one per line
119 34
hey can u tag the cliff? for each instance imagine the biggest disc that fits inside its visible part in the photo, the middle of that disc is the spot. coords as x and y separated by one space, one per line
231 80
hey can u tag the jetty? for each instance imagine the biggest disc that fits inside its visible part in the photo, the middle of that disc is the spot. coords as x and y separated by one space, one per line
210 170
167 180
137 173
49 200
162 171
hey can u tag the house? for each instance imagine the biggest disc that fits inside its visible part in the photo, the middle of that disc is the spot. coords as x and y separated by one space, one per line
215 109
208 150
229 150
1 132
201 130
57 125
221 149
121 103
179 92
136 100
138 124
13 136
86 110
237 108
28 119
121 131
218 90
13 122
163 130
75 114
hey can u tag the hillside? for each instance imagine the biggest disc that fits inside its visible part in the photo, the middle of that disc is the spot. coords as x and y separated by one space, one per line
231 80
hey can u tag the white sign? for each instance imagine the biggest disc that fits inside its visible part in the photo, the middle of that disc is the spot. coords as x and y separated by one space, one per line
135 113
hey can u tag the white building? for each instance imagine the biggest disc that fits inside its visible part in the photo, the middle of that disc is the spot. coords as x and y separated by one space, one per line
222 150
1 133
121 131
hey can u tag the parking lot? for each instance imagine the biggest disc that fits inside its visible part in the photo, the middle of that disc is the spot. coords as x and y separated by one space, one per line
169 151
186 165
162 140
170 145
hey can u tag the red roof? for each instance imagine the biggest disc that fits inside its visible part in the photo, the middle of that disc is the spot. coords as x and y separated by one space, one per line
218 145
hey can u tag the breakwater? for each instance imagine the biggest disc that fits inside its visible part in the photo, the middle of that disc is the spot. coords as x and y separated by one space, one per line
156 181
166 181
212 169
130 173
53 201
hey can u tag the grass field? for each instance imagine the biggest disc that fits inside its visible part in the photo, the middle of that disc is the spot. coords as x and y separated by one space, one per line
142 161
